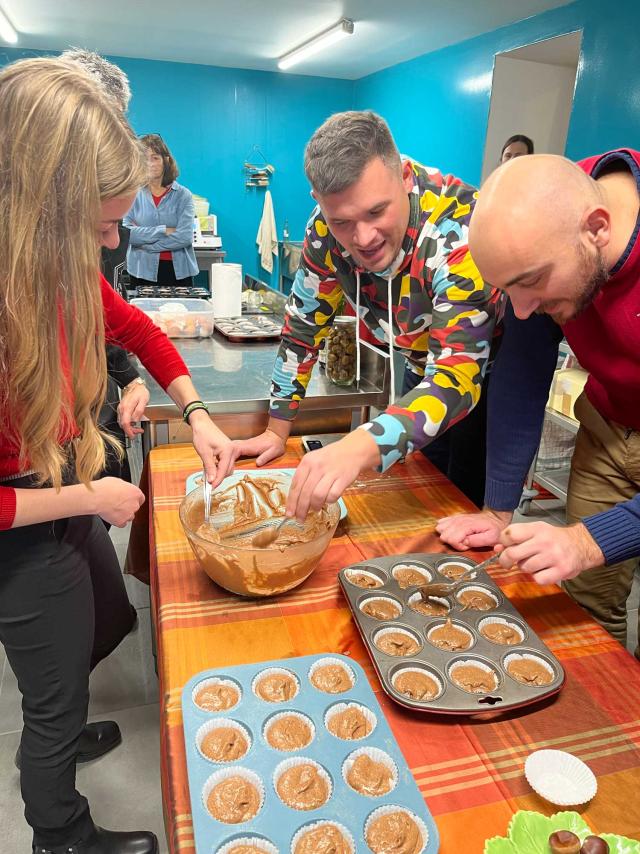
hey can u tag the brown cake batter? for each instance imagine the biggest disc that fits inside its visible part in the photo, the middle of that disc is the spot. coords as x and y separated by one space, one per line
246 849
233 800
370 777
325 839
500 633
476 600
430 608
331 678
408 576
381 609
397 643
453 570
224 744
276 687
529 672
450 637
302 787
217 698
416 686
474 679
351 724
290 732
394 833
362 580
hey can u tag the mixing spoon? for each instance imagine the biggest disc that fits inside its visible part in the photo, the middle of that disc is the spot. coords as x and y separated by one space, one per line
208 492
269 535
443 588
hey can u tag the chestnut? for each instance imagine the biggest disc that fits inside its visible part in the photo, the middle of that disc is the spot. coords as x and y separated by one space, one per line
564 842
594 845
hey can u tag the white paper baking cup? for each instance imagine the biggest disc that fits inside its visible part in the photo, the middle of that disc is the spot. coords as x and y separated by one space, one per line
376 755
274 718
388 599
356 571
219 723
397 630
342 707
274 671
454 625
216 680
480 589
423 671
307 827
286 764
512 625
417 597
528 656
323 662
460 662
560 777
262 846
391 808
428 576
445 563
224 774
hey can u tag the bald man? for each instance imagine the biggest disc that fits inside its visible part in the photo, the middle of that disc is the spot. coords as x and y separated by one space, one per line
563 241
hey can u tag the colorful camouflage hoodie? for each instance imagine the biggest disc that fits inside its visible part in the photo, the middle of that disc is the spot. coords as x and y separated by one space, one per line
443 315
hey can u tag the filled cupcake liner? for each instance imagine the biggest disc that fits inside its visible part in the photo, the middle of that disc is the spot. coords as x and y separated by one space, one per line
445 563
411 633
381 598
455 625
342 707
476 662
426 573
307 827
355 571
389 808
275 671
323 662
278 716
485 621
376 755
560 777
417 597
479 589
216 680
224 774
286 764
527 656
427 671
218 723
262 846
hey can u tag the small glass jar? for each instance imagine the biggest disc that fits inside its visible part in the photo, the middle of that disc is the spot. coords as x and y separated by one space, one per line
341 351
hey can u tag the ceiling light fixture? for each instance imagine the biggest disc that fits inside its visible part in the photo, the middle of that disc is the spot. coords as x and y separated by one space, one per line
7 33
328 37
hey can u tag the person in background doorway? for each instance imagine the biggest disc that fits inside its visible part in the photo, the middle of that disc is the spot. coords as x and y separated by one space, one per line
516 146
161 224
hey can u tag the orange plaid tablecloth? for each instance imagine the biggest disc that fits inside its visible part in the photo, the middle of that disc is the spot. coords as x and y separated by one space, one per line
470 771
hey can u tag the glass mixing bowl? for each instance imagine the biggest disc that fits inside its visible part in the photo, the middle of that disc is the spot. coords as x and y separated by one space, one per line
244 569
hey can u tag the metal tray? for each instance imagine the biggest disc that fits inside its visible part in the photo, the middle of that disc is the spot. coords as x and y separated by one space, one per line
276 822
249 328
509 693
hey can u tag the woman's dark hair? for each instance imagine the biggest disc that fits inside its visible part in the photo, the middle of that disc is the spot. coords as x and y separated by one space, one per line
519 137
155 142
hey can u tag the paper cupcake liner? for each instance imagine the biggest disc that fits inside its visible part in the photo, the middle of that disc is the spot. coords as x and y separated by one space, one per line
445 563
455 625
401 630
426 573
323 662
216 680
381 598
485 621
342 707
286 764
480 589
307 827
391 808
278 716
223 774
560 777
355 571
275 671
376 755
262 846
218 723
417 597
421 670
476 662
528 656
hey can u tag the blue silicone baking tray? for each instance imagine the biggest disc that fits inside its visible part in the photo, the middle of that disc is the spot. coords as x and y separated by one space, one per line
276 822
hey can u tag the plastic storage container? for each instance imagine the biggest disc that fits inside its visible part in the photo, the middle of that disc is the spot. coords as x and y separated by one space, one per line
179 318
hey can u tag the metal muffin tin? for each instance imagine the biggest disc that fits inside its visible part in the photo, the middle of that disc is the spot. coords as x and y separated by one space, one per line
276 822
248 328
509 693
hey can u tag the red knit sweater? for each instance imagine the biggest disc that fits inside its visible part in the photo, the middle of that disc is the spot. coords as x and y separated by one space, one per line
128 327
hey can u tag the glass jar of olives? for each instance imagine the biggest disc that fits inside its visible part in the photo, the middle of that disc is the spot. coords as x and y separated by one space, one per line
341 351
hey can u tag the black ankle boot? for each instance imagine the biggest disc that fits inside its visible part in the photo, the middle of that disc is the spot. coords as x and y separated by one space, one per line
96 740
107 842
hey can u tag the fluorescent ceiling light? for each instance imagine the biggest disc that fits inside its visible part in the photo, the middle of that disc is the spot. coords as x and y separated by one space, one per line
317 43
7 33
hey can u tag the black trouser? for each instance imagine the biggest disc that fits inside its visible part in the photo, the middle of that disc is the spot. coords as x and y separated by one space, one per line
63 608
461 452
166 276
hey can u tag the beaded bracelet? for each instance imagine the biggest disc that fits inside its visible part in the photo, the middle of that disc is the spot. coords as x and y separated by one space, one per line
191 407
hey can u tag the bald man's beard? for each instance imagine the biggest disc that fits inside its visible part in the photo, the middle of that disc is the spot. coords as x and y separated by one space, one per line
594 273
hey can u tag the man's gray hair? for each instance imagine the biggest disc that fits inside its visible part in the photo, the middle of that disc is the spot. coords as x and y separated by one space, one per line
112 80
339 150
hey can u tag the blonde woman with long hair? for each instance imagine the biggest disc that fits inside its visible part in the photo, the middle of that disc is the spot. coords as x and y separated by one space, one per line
70 168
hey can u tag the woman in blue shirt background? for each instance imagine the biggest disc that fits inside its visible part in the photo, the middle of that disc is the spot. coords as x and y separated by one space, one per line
161 224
